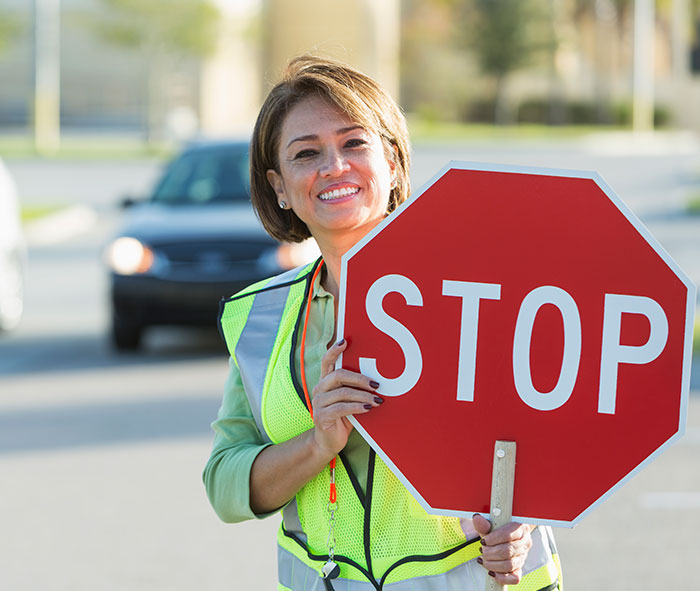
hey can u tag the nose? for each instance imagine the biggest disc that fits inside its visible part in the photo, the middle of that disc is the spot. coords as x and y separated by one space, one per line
334 164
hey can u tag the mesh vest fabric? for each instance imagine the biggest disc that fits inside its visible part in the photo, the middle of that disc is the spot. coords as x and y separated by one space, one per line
397 540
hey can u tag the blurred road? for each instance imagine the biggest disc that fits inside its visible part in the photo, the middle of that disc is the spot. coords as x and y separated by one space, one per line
101 455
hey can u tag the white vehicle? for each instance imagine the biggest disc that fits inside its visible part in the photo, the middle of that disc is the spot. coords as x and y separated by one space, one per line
12 254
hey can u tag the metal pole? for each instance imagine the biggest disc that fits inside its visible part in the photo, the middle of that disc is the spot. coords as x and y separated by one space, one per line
47 76
643 99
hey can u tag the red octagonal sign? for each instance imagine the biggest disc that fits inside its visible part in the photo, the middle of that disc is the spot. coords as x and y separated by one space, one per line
517 304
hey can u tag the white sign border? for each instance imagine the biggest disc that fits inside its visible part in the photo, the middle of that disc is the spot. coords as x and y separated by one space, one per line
645 234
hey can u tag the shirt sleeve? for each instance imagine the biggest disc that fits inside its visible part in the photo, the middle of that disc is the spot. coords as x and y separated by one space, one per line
237 442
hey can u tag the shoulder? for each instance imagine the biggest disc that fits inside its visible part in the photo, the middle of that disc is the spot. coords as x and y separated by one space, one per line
296 275
267 295
233 311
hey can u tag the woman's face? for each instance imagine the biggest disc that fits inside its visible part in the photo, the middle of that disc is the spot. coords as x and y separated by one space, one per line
334 173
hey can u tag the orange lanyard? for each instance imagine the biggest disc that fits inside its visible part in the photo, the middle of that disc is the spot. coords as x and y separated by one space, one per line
331 465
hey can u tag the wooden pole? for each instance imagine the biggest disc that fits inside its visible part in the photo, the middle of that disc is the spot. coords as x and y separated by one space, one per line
502 483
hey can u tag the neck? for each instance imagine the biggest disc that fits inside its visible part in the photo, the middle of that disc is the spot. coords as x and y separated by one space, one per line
330 278
332 249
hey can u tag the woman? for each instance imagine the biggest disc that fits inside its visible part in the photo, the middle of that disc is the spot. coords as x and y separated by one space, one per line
330 159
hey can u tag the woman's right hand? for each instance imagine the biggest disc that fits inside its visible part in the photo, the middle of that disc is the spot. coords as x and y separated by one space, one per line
338 394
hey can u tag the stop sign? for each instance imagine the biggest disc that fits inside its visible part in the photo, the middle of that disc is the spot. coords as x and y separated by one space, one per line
521 304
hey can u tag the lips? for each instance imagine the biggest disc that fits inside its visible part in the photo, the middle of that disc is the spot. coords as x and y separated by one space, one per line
338 193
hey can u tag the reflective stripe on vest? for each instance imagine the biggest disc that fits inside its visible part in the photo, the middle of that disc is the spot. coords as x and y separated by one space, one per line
294 574
292 523
257 339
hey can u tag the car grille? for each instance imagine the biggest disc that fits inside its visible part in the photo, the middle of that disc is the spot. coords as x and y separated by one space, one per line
235 259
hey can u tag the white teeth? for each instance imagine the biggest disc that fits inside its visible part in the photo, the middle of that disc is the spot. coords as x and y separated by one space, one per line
338 193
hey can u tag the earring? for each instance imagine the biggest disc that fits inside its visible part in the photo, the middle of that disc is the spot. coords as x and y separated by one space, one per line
283 205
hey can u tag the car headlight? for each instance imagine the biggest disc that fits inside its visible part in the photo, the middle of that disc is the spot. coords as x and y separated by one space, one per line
128 256
295 254
287 256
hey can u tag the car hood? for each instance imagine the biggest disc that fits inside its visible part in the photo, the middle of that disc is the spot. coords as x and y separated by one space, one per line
155 223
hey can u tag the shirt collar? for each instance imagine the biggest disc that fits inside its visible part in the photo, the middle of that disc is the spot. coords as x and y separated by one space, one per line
318 290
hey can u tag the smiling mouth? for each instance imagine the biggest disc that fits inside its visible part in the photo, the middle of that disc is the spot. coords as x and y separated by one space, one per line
337 193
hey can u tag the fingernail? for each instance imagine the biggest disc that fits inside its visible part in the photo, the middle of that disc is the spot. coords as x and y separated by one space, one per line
367 406
480 560
340 342
492 574
481 549
373 384
378 400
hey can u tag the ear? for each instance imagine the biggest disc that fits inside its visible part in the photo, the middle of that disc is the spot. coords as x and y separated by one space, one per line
276 182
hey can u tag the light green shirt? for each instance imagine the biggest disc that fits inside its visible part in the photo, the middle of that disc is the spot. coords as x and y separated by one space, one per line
237 441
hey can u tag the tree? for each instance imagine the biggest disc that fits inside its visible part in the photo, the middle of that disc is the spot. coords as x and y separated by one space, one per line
159 29
10 28
500 32
429 60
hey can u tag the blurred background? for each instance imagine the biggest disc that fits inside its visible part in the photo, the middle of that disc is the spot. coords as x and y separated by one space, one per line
124 217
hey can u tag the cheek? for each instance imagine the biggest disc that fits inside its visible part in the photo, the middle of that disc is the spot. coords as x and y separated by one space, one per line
296 180
377 168
384 175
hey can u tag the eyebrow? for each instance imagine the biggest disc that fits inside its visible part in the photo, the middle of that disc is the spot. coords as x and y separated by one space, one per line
311 137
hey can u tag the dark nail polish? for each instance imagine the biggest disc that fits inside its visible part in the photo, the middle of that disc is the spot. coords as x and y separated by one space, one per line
481 549
340 342
492 574
373 384
480 560
378 400
367 406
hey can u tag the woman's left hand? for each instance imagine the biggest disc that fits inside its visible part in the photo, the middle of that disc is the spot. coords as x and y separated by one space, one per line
504 550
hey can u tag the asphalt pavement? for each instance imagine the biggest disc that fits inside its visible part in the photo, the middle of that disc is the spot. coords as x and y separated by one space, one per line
101 454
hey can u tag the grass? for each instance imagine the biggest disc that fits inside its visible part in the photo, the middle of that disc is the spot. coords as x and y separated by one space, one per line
424 130
696 338
30 213
85 148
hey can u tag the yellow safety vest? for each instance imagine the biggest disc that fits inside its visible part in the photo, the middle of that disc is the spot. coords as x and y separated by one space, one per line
383 536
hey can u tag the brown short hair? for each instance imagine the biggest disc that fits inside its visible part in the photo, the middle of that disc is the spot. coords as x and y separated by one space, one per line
355 94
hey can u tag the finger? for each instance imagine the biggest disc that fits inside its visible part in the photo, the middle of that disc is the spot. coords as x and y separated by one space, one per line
506 565
511 565
508 533
327 418
340 378
343 394
331 357
505 551
507 578
481 524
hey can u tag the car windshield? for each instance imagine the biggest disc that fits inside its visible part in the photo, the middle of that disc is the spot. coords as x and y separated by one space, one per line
204 176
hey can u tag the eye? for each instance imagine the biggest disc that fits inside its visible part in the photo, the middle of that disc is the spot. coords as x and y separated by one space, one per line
304 154
355 143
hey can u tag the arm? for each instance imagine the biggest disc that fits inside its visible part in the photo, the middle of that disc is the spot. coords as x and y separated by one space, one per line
246 478
236 445
280 471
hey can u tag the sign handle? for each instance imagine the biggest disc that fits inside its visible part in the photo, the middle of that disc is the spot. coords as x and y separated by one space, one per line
502 483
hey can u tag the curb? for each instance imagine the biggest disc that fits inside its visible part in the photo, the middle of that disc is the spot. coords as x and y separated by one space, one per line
649 143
